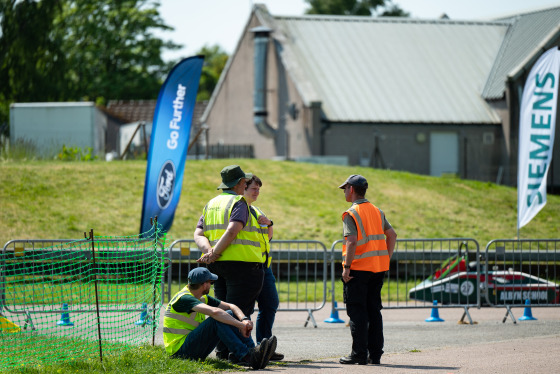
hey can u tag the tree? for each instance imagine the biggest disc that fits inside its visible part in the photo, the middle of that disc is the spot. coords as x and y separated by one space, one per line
32 63
214 62
111 49
60 50
381 8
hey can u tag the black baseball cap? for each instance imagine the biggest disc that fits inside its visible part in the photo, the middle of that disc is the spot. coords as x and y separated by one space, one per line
355 180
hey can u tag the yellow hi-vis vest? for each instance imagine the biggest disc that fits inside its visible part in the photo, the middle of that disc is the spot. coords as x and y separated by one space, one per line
176 326
371 248
263 235
246 246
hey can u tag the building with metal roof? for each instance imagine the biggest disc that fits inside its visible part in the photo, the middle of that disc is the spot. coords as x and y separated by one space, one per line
425 96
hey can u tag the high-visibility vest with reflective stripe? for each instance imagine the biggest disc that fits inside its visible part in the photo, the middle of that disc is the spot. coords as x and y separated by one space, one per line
371 248
263 235
246 246
176 326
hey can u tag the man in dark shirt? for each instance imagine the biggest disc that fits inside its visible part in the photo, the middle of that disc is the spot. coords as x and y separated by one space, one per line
187 333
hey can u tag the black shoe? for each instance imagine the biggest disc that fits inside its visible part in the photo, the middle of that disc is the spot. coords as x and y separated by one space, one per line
256 356
222 355
277 357
234 360
376 361
352 361
271 349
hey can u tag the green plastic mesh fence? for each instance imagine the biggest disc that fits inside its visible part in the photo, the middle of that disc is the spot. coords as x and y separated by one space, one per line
79 298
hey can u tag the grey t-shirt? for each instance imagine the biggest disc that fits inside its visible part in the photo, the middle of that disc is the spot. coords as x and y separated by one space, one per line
349 227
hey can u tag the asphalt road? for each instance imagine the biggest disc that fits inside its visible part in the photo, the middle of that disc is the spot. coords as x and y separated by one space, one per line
415 346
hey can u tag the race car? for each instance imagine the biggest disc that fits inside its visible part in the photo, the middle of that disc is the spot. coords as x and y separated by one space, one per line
455 282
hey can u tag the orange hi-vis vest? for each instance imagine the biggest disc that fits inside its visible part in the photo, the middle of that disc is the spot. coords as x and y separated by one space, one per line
371 248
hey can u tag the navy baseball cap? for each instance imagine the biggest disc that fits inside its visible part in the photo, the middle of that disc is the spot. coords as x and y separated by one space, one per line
355 180
200 275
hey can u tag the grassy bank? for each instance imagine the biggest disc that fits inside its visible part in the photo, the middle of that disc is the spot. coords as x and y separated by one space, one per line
54 199
35 355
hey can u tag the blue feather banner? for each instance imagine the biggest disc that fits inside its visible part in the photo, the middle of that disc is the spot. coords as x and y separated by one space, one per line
169 144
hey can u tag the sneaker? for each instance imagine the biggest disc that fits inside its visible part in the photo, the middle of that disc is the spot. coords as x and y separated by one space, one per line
272 343
256 356
277 357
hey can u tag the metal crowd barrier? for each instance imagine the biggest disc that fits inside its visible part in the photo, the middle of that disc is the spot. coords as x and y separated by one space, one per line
299 266
518 273
425 273
182 256
45 251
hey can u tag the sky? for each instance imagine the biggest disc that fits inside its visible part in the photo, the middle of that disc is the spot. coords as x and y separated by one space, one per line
220 22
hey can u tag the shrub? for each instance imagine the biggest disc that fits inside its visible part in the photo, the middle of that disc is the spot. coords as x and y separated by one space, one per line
76 154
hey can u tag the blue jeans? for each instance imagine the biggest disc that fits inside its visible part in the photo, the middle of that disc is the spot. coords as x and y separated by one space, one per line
202 340
268 305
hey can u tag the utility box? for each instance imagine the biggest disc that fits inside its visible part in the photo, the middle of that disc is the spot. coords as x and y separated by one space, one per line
46 127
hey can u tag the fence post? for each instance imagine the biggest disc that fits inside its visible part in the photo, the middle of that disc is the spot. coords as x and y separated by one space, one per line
156 232
96 294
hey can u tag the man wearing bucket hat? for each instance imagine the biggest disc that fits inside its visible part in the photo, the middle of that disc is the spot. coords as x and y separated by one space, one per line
231 249
188 334
369 241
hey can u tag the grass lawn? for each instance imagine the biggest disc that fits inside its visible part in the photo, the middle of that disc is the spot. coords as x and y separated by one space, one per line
62 200
32 355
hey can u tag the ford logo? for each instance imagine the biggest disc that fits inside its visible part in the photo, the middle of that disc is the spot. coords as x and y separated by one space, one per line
166 184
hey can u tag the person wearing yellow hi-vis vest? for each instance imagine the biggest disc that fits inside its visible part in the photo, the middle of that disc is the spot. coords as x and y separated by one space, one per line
268 298
231 248
188 334
369 242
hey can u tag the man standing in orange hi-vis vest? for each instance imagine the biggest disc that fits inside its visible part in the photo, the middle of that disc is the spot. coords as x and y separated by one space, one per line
369 241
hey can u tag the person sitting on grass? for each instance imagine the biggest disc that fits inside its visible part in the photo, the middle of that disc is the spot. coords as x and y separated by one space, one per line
188 334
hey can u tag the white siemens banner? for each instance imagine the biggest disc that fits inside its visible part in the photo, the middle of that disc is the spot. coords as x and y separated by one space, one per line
536 135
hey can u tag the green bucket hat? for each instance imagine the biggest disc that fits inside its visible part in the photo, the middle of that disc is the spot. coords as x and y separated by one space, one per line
231 175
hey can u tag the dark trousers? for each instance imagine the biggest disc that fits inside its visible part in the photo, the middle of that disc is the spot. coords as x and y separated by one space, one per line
268 305
202 340
362 296
238 283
